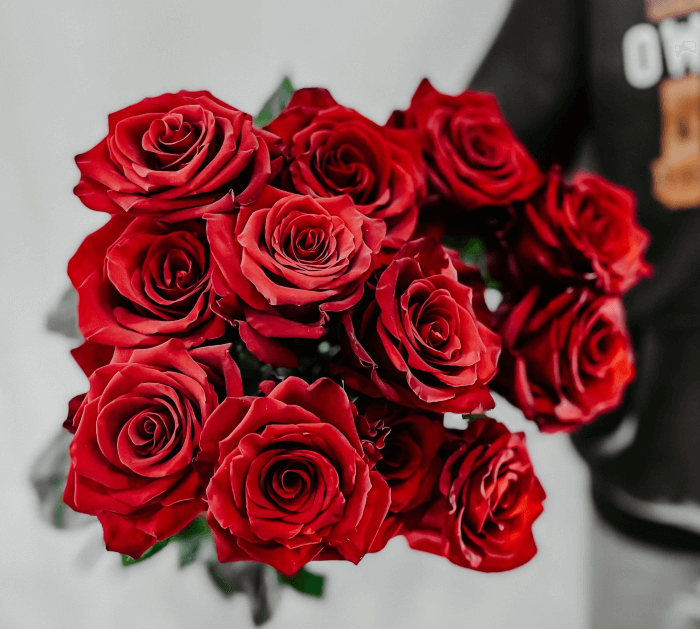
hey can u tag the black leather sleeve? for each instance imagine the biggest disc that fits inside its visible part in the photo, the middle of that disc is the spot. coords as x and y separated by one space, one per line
536 67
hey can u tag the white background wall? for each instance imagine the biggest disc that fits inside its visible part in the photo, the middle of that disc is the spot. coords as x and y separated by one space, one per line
63 67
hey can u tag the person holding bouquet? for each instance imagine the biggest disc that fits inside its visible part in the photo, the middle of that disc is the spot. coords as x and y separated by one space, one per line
621 79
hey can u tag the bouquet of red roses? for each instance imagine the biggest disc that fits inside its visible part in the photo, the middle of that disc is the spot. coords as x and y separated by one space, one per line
273 331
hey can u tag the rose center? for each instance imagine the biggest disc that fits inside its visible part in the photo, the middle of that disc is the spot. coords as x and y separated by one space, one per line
433 324
179 271
601 345
306 244
393 457
433 332
172 141
481 146
347 169
148 433
602 230
309 245
290 480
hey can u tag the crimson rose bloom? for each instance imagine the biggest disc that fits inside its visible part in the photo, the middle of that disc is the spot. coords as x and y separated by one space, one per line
473 157
285 262
409 462
488 497
566 360
334 150
289 479
583 232
177 156
141 282
404 446
418 340
136 433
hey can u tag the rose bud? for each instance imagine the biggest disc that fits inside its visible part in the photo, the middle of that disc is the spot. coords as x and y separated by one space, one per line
333 150
288 480
142 282
137 431
472 156
566 360
177 156
486 502
417 339
585 232
286 262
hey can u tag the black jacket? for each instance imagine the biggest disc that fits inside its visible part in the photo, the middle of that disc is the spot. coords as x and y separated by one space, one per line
623 78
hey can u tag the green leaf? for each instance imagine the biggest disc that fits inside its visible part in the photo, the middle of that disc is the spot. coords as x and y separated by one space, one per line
190 541
157 547
257 581
223 582
305 582
471 248
189 549
469 418
275 104
64 316
58 486
472 251
197 528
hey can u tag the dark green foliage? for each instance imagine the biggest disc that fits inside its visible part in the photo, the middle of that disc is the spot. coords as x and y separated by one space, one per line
275 104
305 582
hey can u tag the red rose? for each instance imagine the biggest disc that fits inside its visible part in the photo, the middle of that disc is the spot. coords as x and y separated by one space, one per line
136 433
409 462
141 282
285 262
566 360
404 448
472 156
334 150
487 499
289 480
177 156
584 232
418 340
